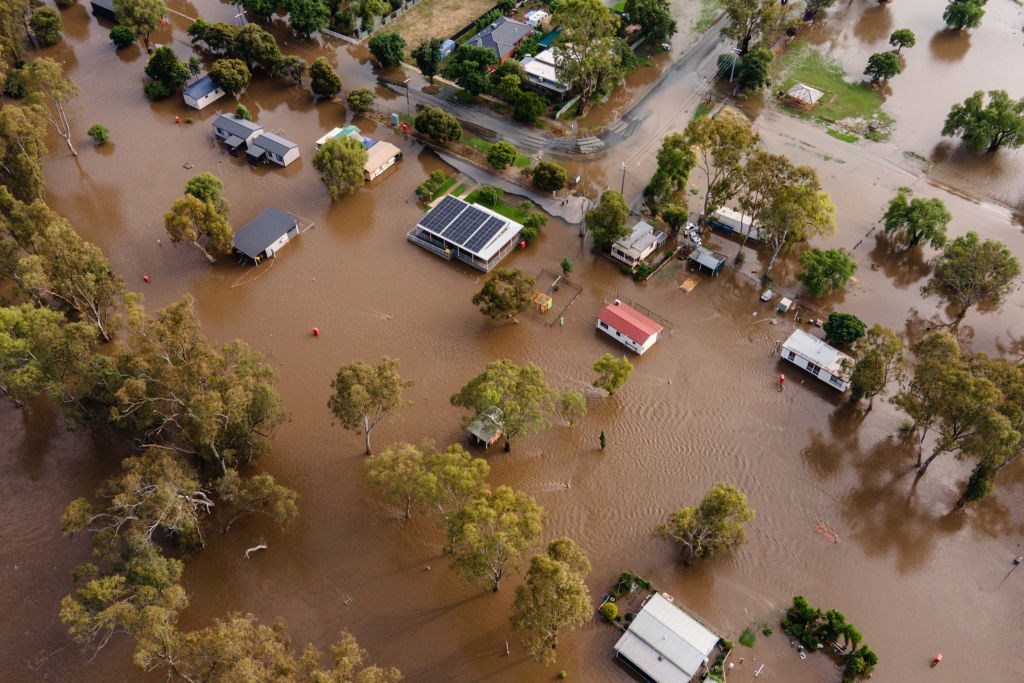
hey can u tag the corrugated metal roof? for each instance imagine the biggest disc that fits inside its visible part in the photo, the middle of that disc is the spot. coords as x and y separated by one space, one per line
236 126
665 642
707 258
274 143
501 36
819 352
201 88
630 322
378 155
262 231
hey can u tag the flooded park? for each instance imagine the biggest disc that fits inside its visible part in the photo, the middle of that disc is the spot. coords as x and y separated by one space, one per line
915 573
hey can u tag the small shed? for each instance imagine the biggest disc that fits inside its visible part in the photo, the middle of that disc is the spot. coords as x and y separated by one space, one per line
484 430
629 327
380 157
664 644
804 96
703 257
202 92
263 236
272 147
536 17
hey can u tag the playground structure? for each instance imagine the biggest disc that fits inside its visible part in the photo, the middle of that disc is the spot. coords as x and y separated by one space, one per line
555 292
542 301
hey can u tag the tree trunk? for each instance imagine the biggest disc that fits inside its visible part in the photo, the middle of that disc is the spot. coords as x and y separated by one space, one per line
924 467
745 44
67 139
366 433
871 403
920 447
508 445
771 262
209 257
233 519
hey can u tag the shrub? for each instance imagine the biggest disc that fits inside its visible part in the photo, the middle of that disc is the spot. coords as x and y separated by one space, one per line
361 100
529 106
122 36
14 88
438 125
491 195
642 271
46 26
156 90
609 611
242 112
748 637
549 176
188 119
501 155
726 645
562 674
629 617
766 631
99 133
432 184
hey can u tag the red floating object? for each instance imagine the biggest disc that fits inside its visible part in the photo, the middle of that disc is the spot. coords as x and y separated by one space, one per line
522 244
405 126
316 331
177 120
146 278
782 379
938 658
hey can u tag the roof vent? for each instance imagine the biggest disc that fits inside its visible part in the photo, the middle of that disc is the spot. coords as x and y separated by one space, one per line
617 302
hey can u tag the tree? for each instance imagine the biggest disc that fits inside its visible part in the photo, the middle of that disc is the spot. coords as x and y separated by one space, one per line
675 161
987 126
588 53
399 473
720 145
844 328
516 399
882 66
99 133
490 194
753 18
937 354
364 395
826 270
961 14
612 373
46 26
573 407
291 67
201 223
755 69
528 107
532 225
388 48
340 163
207 187
494 530
712 528
971 271
468 67
901 38
195 67
505 294
265 8
438 125
323 81
40 352
122 36
654 17
918 220
879 360
454 478
434 182
676 216
501 154
566 265
22 147
428 57
242 112
507 88
141 16
549 176
257 495
232 75
252 44
553 598
308 16
607 220
48 87
794 206
360 100
815 6
164 66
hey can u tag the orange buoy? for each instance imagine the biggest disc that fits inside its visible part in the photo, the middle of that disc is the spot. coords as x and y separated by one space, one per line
938 658
177 120
522 244
316 331
782 379
146 278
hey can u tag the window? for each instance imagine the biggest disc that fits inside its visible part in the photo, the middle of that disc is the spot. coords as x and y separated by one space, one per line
791 356
835 380
813 369
603 324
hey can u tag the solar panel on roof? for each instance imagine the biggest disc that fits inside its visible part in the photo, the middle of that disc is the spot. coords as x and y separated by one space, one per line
484 235
442 214
464 226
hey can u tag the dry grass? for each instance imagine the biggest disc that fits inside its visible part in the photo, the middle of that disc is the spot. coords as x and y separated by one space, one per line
436 18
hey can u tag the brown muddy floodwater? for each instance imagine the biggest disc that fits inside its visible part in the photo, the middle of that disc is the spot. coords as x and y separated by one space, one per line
915 577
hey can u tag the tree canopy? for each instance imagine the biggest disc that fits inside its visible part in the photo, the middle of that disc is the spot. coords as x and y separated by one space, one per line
323 81
901 38
721 144
340 161
750 19
468 67
971 271
607 221
232 75
879 360
987 126
844 328
46 26
202 223
882 66
360 100
826 270
588 51
141 16
961 14
675 161
549 176
501 155
428 57
712 528
917 220
654 17
363 395
755 70
388 47
612 373
438 124
505 294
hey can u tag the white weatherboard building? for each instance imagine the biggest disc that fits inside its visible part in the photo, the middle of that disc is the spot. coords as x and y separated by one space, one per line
664 644
202 92
643 242
825 362
277 149
263 236
629 327
471 233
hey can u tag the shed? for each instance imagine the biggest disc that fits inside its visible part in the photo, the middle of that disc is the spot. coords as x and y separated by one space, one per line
484 429
471 233
664 644
380 157
263 236
641 243
235 132
827 363
629 327
536 17
447 47
202 92
103 9
804 96
269 146
707 258
503 36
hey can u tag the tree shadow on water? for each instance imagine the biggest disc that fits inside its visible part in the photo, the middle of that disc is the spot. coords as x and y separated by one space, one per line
903 267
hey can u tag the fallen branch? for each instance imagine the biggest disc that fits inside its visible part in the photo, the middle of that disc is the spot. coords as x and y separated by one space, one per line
254 549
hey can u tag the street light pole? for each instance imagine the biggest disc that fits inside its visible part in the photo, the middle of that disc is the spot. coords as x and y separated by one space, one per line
408 107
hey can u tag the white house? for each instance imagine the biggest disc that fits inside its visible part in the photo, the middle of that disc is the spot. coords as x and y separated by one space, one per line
235 132
380 157
536 17
825 362
202 92
542 72
664 644
269 146
350 130
639 245
629 327
263 236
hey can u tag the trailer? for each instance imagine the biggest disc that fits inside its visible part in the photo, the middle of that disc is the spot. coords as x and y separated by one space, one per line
729 221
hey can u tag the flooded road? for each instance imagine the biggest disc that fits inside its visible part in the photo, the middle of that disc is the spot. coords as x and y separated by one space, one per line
702 405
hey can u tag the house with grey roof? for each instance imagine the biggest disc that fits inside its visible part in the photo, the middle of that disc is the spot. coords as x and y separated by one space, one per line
272 147
103 9
234 132
263 236
503 36
202 92
542 72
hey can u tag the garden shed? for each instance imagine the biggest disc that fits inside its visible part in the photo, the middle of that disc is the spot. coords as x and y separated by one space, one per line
804 96
703 257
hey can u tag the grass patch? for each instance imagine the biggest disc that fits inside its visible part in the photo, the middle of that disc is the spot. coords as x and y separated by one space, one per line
709 12
702 110
842 99
845 137
411 120
619 6
748 637
439 18
502 207
482 146
444 188
460 189
522 161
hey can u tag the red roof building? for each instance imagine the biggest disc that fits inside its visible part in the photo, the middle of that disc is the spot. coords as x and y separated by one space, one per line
629 327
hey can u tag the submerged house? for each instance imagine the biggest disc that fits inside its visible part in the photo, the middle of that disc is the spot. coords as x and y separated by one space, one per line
234 132
350 130
380 156
702 257
272 147
827 363
484 430
664 644
503 36
643 242
263 236
202 92
629 327
471 233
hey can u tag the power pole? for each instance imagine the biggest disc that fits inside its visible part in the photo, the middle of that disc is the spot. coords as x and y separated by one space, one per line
622 187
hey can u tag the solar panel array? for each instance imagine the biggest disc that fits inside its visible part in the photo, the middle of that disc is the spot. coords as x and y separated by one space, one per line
462 224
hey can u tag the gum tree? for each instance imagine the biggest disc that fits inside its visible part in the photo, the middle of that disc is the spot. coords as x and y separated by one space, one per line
363 395
987 126
971 271
879 361
916 221
712 528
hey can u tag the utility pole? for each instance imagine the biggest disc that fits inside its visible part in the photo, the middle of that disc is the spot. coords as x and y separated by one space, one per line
408 107
622 187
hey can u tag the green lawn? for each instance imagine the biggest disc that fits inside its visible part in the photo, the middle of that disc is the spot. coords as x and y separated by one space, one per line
842 99
845 137
710 10
441 190
460 189
703 110
619 6
504 208
483 146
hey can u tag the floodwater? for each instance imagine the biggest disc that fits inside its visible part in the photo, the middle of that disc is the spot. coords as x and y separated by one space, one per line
914 575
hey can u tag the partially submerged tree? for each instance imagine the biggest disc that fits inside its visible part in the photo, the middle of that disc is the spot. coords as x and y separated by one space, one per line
882 66
675 161
256 495
453 481
505 294
844 328
755 69
516 399
572 407
360 100
917 220
721 144
878 361
795 208
141 16
901 38
48 87
46 26
399 473
750 19
712 528
987 127
612 373
202 224
232 75
654 17
961 14
387 47
607 221
323 81
363 395
588 52
340 161
826 270
971 271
